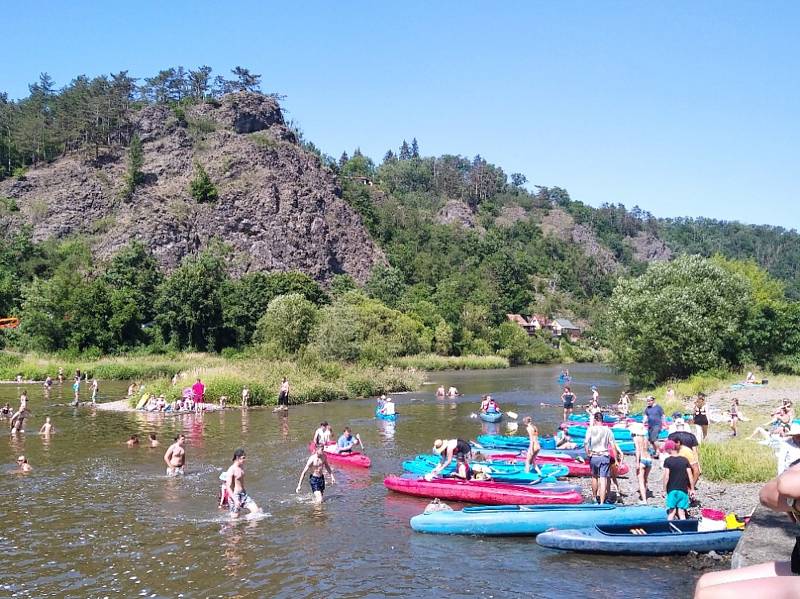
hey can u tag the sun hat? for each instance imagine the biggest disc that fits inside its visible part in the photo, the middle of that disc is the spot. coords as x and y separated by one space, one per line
438 446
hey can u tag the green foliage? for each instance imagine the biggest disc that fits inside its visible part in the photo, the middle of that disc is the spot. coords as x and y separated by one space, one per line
385 284
189 305
436 362
737 461
9 204
19 173
288 322
133 174
201 187
677 319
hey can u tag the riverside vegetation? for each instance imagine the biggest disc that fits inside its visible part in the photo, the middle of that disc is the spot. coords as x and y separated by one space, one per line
464 244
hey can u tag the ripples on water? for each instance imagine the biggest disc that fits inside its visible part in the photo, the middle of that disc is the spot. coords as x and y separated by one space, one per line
96 519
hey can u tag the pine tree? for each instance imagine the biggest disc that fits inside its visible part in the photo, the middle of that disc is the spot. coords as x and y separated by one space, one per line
414 148
389 157
202 188
245 80
343 159
134 175
405 151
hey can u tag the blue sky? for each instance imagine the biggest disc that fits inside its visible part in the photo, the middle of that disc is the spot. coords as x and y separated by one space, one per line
683 108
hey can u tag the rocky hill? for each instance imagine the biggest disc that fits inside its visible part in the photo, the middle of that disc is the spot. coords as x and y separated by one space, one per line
278 208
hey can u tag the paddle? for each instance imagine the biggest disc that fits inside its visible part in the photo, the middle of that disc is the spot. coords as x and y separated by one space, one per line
675 528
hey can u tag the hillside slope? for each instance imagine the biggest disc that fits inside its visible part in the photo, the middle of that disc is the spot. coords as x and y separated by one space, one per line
278 208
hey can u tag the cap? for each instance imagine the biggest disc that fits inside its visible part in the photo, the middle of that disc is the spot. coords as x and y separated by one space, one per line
669 445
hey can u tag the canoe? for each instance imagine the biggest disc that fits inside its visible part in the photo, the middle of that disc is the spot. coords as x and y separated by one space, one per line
549 483
575 467
355 459
491 416
585 418
620 434
479 491
531 519
381 416
664 538
517 442
509 473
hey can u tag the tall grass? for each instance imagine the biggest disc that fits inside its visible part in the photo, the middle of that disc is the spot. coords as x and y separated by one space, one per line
705 382
436 362
737 461
309 382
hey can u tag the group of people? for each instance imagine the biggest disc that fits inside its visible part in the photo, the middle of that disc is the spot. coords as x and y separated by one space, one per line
451 392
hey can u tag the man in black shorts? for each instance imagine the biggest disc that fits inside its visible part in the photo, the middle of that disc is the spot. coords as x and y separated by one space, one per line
568 397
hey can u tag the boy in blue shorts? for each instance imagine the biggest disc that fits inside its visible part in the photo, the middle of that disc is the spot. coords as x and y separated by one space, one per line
677 482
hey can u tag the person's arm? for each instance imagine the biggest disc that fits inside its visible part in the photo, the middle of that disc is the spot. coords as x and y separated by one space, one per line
666 478
303 473
328 468
168 456
690 473
442 465
360 442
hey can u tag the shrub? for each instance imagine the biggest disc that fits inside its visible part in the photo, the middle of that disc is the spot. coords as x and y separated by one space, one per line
201 188
288 322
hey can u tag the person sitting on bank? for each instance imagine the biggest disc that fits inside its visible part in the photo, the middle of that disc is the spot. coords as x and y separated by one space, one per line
751 378
447 449
348 441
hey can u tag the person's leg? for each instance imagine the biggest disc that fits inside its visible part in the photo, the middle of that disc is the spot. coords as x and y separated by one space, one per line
642 485
317 497
595 485
781 587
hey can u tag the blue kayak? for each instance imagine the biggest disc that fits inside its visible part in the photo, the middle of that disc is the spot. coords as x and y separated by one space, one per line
585 418
381 416
491 416
620 434
555 470
531 520
664 538
517 442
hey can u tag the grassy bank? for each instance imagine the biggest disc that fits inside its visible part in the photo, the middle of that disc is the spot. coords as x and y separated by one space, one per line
705 382
737 461
436 362
311 379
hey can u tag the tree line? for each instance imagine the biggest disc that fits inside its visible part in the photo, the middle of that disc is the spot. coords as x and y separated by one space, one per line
95 112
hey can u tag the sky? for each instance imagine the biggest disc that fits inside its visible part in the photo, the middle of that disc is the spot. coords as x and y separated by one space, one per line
683 108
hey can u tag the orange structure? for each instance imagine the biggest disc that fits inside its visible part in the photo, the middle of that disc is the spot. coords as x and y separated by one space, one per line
9 323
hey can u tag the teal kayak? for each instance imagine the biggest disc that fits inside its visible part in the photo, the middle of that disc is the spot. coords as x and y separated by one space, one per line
516 442
531 520
662 538
381 416
510 473
620 434
491 416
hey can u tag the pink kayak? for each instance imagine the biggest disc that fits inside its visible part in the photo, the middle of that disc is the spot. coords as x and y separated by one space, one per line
355 458
479 491
576 467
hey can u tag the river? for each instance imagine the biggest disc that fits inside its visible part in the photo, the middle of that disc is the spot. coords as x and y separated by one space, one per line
97 519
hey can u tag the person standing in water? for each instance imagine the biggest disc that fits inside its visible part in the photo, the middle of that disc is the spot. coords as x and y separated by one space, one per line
238 499
568 397
47 428
283 394
533 445
175 457
95 389
317 463
245 396
76 389
60 374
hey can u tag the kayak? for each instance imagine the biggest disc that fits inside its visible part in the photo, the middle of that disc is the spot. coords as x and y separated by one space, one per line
549 483
479 491
355 458
516 442
491 416
531 519
510 473
575 467
381 416
663 538
620 434
585 418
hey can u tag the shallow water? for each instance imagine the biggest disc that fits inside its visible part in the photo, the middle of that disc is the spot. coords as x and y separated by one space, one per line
96 519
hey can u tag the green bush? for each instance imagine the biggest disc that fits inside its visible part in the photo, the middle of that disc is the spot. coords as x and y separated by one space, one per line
201 187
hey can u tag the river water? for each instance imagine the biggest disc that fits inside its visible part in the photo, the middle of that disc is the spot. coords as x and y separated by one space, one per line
97 519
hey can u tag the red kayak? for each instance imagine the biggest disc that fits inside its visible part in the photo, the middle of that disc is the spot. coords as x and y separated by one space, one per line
479 491
355 458
576 467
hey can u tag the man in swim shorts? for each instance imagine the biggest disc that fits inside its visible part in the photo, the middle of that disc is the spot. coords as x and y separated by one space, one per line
238 498
175 457
317 463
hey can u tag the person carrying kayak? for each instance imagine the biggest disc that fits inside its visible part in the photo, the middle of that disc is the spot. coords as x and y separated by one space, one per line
568 397
447 449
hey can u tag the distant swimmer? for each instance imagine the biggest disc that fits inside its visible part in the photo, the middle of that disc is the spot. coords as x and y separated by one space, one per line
23 465
440 392
47 427
238 499
153 440
317 463
133 441
175 457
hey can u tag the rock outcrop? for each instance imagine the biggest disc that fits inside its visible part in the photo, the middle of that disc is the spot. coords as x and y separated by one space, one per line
278 208
561 224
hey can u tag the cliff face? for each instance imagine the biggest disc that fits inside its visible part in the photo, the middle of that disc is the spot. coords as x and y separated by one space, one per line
277 207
